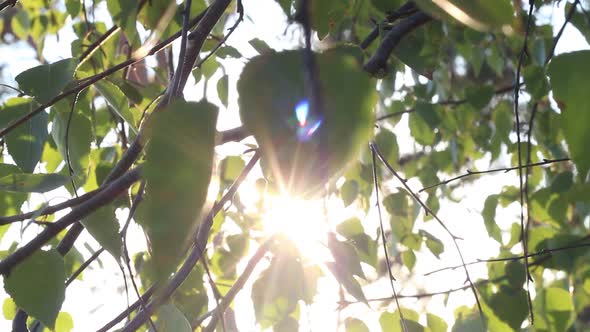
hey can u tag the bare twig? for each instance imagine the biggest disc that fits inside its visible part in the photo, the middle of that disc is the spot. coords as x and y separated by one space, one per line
175 88
93 79
543 252
216 313
451 102
84 265
383 240
7 3
429 211
494 170
522 198
105 196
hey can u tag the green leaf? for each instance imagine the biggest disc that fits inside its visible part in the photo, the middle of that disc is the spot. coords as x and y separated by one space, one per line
345 257
481 15
349 192
38 285
104 227
260 46
510 305
178 165
25 143
47 81
536 81
479 96
562 182
349 283
64 322
387 143
9 309
286 6
409 259
172 319
32 183
387 6
228 51
124 14
435 323
78 136
10 202
325 14
355 325
314 148
489 218
466 320
569 83
366 247
391 322
222 87
278 289
118 102
416 52
435 245
231 168
420 130
559 308
73 7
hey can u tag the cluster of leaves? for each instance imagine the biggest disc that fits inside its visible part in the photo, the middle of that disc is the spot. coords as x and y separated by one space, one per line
74 121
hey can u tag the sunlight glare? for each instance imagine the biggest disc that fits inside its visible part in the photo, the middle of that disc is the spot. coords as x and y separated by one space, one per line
302 221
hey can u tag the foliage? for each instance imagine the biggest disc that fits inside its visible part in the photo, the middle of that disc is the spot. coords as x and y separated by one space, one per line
477 86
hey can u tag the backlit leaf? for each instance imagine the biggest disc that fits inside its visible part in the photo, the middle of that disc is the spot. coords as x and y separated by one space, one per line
38 285
47 81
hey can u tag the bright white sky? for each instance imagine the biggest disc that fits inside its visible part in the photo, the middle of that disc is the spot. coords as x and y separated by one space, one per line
100 296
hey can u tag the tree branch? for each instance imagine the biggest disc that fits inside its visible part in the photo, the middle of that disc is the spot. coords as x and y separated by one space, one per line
197 37
495 170
405 10
102 198
196 250
7 3
93 79
237 286
377 64
429 211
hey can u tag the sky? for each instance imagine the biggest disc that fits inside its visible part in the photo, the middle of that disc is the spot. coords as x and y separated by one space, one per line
92 306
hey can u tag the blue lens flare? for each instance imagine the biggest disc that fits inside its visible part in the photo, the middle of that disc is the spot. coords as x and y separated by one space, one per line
301 112
307 124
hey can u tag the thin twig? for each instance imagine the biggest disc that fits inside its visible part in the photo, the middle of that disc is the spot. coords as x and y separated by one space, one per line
523 227
543 252
105 196
176 90
217 313
83 267
93 79
383 240
568 18
231 30
451 102
494 170
7 3
435 216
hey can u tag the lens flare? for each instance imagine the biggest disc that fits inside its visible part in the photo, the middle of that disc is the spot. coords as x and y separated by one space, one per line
307 125
301 112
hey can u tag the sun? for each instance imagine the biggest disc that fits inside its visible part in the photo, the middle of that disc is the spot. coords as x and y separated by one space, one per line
302 221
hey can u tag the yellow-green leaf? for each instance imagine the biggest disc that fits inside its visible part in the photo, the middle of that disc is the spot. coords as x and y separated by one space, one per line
37 285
